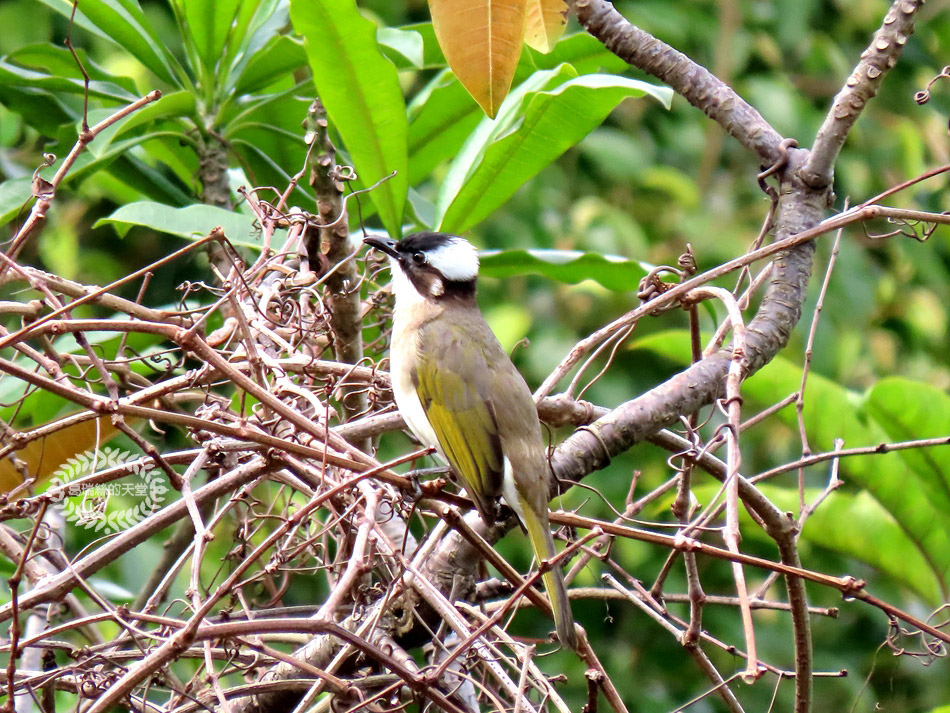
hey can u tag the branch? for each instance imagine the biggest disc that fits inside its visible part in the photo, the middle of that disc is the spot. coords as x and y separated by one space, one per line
863 84
692 81
337 261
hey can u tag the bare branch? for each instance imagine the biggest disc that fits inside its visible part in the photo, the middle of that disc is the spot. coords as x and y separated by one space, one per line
877 60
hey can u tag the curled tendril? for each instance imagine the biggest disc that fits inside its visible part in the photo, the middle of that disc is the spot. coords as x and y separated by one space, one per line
165 362
651 285
687 261
927 649
915 229
923 96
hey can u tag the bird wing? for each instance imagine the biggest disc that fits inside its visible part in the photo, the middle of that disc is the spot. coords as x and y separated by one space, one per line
457 403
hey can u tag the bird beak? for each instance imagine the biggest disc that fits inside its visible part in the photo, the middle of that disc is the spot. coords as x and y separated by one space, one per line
386 245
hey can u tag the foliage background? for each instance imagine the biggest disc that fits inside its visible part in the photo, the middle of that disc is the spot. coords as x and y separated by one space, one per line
642 186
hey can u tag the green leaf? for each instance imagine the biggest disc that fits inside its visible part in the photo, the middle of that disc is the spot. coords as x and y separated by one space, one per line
251 34
59 62
44 111
89 162
14 193
856 525
279 58
441 118
170 106
124 23
432 57
13 76
582 51
911 410
570 266
852 525
252 28
192 222
831 412
518 144
266 171
360 90
404 48
508 119
420 210
147 181
209 22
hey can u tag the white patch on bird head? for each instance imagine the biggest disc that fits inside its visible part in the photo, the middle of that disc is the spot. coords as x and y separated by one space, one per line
456 260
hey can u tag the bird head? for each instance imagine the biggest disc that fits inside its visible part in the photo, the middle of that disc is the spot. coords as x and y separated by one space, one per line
430 266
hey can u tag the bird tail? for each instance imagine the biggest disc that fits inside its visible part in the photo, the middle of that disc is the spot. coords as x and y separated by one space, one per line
539 533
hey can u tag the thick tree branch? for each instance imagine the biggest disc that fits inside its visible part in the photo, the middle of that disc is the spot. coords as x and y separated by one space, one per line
693 82
592 448
331 252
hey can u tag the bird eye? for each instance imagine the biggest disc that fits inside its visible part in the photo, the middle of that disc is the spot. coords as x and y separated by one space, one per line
419 258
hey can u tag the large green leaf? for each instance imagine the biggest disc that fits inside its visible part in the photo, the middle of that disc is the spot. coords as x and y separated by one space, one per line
191 222
441 118
175 105
105 153
857 525
831 412
912 410
518 144
124 23
508 119
254 44
360 90
571 266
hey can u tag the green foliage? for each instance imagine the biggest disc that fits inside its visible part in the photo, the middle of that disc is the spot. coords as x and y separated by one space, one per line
570 266
547 114
913 498
194 221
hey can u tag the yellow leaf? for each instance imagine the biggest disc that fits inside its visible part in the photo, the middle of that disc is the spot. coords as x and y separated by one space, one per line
545 23
481 40
45 456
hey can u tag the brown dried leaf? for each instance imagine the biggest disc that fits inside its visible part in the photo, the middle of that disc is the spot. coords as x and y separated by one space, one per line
45 456
545 23
481 40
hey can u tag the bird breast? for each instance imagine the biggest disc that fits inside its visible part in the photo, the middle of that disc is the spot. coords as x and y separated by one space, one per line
401 357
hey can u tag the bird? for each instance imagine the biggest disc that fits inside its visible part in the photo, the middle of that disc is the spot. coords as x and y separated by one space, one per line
461 395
